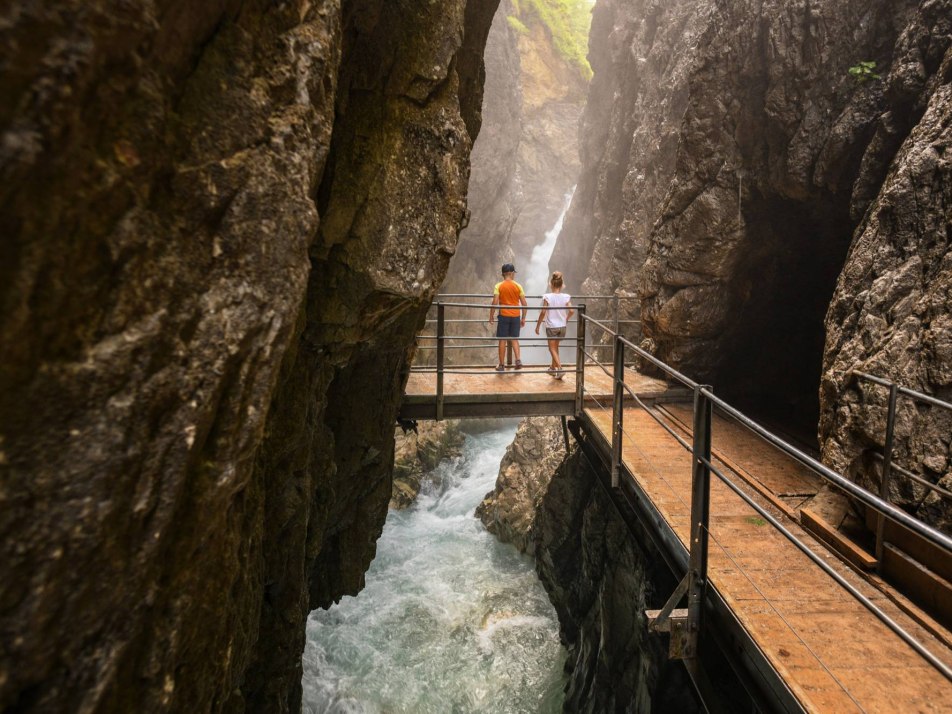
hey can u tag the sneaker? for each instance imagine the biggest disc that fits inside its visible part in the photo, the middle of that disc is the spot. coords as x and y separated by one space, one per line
551 370
500 368
559 374
518 364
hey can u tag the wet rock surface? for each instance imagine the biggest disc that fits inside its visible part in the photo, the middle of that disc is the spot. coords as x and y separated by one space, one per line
728 155
417 453
223 224
509 511
891 314
601 581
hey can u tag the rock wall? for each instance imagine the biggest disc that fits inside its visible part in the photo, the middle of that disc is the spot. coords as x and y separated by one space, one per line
724 175
891 314
222 226
509 511
525 160
417 453
601 581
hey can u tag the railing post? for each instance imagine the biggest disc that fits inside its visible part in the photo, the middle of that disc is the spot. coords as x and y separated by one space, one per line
615 313
580 360
887 467
700 512
618 411
440 334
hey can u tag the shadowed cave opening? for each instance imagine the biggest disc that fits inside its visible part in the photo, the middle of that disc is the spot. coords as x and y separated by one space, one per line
773 355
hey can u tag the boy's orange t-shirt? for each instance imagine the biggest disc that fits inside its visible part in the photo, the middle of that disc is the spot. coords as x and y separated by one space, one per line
509 292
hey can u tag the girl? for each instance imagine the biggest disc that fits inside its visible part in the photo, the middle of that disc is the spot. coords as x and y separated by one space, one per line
556 318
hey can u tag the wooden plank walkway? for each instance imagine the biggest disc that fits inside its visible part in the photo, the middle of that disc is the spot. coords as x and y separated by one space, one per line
833 653
483 392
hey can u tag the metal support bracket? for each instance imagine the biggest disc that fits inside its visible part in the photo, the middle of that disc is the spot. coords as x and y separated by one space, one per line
675 620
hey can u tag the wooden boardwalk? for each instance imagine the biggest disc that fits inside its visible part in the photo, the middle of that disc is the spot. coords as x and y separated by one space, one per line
482 392
831 651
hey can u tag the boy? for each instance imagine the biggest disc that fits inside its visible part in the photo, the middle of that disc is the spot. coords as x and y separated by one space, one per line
508 295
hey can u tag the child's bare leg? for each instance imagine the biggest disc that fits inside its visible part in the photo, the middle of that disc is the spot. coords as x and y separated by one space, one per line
554 350
515 350
502 352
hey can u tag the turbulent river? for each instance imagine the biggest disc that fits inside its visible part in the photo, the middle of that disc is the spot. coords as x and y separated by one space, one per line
450 620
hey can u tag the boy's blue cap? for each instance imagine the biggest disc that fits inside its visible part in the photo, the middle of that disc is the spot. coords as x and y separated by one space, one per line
508 268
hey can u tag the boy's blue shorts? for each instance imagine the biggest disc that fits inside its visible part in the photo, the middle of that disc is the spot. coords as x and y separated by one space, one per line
508 326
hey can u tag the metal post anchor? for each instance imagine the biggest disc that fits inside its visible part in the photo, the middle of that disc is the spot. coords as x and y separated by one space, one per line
440 357
685 624
618 410
580 360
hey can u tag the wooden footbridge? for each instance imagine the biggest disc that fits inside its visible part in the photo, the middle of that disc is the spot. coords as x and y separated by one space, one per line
806 618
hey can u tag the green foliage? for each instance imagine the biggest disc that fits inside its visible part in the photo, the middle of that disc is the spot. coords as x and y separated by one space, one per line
863 72
756 521
568 23
516 24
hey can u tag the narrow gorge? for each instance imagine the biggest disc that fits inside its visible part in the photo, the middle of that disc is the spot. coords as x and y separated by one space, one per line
222 228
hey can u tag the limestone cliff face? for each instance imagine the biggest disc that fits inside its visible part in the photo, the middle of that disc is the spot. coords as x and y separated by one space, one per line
891 313
526 158
724 175
417 453
222 225
601 581
509 511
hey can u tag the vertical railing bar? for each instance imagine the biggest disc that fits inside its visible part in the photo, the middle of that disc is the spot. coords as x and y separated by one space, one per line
618 411
440 348
580 361
887 467
700 515
615 310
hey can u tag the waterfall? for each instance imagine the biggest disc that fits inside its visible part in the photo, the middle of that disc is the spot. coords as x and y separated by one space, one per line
537 274
537 283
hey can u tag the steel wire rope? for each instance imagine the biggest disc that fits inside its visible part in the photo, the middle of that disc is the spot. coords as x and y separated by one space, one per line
486 371
599 364
595 399
884 507
783 618
647 460
478 368
654 468
471 338
687 447
943 668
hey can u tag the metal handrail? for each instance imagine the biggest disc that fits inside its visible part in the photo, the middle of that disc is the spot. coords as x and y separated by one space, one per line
704 403
580 297
471 338
644 354
497 306
895 391
905 391
917 478
931 534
